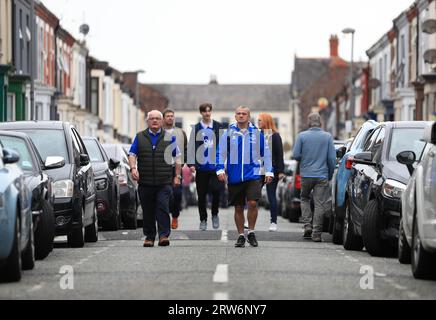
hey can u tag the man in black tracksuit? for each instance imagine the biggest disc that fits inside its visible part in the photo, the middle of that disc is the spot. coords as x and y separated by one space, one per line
203 145
154 151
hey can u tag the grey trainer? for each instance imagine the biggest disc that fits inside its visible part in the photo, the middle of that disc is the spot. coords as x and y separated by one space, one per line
316 237
216 222
203 225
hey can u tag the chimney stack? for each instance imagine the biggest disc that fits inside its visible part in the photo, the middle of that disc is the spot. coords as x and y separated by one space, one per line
334 46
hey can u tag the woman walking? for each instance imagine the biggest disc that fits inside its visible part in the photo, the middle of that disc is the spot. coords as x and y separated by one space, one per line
268 127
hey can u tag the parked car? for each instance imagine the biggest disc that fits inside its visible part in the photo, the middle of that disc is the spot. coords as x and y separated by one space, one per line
74 189
284 186
39 185
139 214
106 184
128 187
418 224
16 226
341 176
377 182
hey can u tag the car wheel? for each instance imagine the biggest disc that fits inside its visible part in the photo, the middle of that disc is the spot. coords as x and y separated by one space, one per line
10 271
423 262
338 225
28 254
404 250
91 231
45 233
372 227
76 237
352 241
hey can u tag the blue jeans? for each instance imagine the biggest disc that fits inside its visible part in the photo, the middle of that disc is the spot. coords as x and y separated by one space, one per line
271 190
155 206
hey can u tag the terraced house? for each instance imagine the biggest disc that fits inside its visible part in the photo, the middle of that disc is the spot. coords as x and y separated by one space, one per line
6 99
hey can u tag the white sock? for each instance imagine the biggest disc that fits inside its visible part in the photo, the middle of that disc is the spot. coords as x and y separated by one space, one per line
242 235
251 231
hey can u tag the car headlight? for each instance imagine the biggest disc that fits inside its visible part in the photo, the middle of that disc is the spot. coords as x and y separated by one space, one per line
393 189
63 189
101 184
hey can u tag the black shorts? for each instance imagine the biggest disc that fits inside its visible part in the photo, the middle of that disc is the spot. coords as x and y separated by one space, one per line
239 194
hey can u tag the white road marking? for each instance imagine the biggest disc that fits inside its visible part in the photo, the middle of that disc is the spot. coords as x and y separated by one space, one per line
378 274
125 233
221 296
36 288
221 274
224 237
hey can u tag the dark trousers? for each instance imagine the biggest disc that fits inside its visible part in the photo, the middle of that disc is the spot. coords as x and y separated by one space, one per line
271 190
155 207
207 181
176 201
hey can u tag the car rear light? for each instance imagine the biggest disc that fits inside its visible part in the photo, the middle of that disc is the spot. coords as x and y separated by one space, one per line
349 163
298 182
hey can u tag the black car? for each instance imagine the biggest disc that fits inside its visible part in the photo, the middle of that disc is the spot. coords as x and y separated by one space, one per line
106 184
40 187
73 186
374 190
128 194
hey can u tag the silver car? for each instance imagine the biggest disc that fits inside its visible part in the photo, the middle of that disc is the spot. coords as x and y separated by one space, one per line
417 238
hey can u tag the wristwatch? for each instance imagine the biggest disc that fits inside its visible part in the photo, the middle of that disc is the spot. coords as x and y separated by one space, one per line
179 177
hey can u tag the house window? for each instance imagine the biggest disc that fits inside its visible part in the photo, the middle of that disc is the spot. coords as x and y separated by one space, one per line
10 107
94 95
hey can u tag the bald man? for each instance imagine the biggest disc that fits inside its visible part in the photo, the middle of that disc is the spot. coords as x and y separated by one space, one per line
155 152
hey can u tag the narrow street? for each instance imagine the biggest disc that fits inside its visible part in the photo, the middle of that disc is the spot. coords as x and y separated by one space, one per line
206 266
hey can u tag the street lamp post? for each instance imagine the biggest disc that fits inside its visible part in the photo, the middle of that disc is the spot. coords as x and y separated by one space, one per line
352 98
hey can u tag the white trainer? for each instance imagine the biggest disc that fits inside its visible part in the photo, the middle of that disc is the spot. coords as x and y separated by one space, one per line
273 227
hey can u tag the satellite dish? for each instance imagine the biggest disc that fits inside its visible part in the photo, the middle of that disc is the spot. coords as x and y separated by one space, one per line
84 29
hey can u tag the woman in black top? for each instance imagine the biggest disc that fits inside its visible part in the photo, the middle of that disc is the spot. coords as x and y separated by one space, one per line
267 125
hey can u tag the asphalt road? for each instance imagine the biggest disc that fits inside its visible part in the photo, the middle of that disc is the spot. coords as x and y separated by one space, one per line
206 266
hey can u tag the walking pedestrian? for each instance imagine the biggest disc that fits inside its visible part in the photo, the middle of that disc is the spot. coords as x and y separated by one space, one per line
269 129
315 151
151 150
242 152
182 144
188 178
203 144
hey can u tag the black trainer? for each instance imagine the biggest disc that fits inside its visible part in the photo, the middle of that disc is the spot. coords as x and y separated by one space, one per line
241 242
252 240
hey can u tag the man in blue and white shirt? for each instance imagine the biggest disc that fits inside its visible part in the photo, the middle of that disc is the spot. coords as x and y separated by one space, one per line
243 152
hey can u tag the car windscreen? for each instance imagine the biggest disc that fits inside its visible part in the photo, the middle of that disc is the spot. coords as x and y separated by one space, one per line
19 145
406 139
49 143
111 151
93 151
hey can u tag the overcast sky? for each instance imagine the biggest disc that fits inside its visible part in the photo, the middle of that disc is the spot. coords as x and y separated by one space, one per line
240 41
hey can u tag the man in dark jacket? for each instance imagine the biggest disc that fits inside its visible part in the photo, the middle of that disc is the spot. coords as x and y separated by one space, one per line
155 153
203 145
315 151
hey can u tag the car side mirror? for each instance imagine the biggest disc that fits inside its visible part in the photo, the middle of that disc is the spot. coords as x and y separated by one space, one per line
10 156
84 160
113 164
54 163
363 158
340 153
407 158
